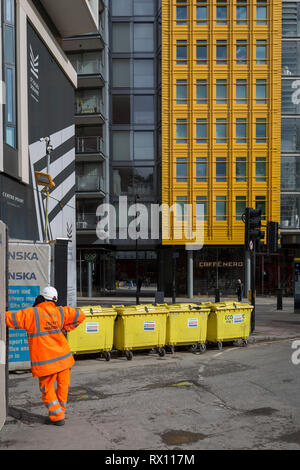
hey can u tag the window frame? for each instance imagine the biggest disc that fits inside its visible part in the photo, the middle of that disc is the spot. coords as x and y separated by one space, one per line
221 217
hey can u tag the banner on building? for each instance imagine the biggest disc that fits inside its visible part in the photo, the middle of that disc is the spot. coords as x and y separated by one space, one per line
28 272
3 294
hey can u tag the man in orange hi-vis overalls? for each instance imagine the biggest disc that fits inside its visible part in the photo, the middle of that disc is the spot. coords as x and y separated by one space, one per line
51 358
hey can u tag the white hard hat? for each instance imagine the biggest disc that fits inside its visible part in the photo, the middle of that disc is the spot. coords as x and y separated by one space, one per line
50 293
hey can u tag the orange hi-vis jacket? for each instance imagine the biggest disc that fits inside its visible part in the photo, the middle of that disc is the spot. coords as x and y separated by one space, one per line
48 346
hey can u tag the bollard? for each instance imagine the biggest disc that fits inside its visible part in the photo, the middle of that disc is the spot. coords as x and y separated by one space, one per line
217 295
279 299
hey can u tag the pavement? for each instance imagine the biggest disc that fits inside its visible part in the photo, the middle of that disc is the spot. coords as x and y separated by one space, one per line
270 324
237 398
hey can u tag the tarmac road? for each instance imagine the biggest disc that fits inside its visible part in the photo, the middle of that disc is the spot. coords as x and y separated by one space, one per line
239 398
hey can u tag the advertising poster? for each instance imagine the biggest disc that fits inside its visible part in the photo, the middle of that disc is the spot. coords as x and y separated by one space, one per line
3 289
28 273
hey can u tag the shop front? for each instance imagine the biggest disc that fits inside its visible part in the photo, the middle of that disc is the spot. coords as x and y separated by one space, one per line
218 267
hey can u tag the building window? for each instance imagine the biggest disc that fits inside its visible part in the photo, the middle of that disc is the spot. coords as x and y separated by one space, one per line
181 12
261 131
143 109
181 52
261 12
221 92
201 208
143 148
181 170
181 207
261 52
290 135
143 37
261 91
290 211
291 57
201 52
181 91
121 37
201 91
260 169
240 170
121 109
144 7
240 207
241 131
181 131
221 55
241 52
290 19
131 181
290 173
121 146
221 12
241 92
201 131
220 208
121 73
241 12
221 170
143 73
89 101
201 12
143 181
201 170
9 68
121 8
260 204
221 131
290 103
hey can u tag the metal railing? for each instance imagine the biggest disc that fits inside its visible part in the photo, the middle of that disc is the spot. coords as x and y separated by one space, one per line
90 105
89 183
89 145
86 221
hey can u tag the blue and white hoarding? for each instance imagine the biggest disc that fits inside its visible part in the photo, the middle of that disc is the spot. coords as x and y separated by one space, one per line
28 272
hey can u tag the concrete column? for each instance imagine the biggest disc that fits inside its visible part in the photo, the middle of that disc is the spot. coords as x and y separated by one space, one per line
190 271
61 270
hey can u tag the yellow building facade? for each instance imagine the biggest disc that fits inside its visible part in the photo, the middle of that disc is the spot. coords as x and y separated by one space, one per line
221 113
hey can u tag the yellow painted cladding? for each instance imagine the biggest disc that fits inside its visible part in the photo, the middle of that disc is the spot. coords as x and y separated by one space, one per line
221 113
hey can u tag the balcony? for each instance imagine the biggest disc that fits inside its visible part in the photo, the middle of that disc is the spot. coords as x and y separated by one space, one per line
86 221
89 146
89 108
89 68
73 17
90 184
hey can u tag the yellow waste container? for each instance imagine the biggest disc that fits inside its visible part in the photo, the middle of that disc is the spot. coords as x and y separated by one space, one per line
229 321
140 327
95 334
187 325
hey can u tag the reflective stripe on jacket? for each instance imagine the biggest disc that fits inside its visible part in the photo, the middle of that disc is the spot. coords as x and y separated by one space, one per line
45 326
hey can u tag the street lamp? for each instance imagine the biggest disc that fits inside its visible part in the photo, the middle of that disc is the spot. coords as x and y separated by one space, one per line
45 180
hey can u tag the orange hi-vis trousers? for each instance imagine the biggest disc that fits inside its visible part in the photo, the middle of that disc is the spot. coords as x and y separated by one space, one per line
56 401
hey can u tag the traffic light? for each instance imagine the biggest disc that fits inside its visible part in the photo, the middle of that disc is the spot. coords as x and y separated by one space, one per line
272 237
253 234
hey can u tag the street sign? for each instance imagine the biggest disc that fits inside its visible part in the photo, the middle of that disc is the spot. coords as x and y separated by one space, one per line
3 295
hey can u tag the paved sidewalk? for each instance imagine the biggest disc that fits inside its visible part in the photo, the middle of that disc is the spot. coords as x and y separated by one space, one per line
270 325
